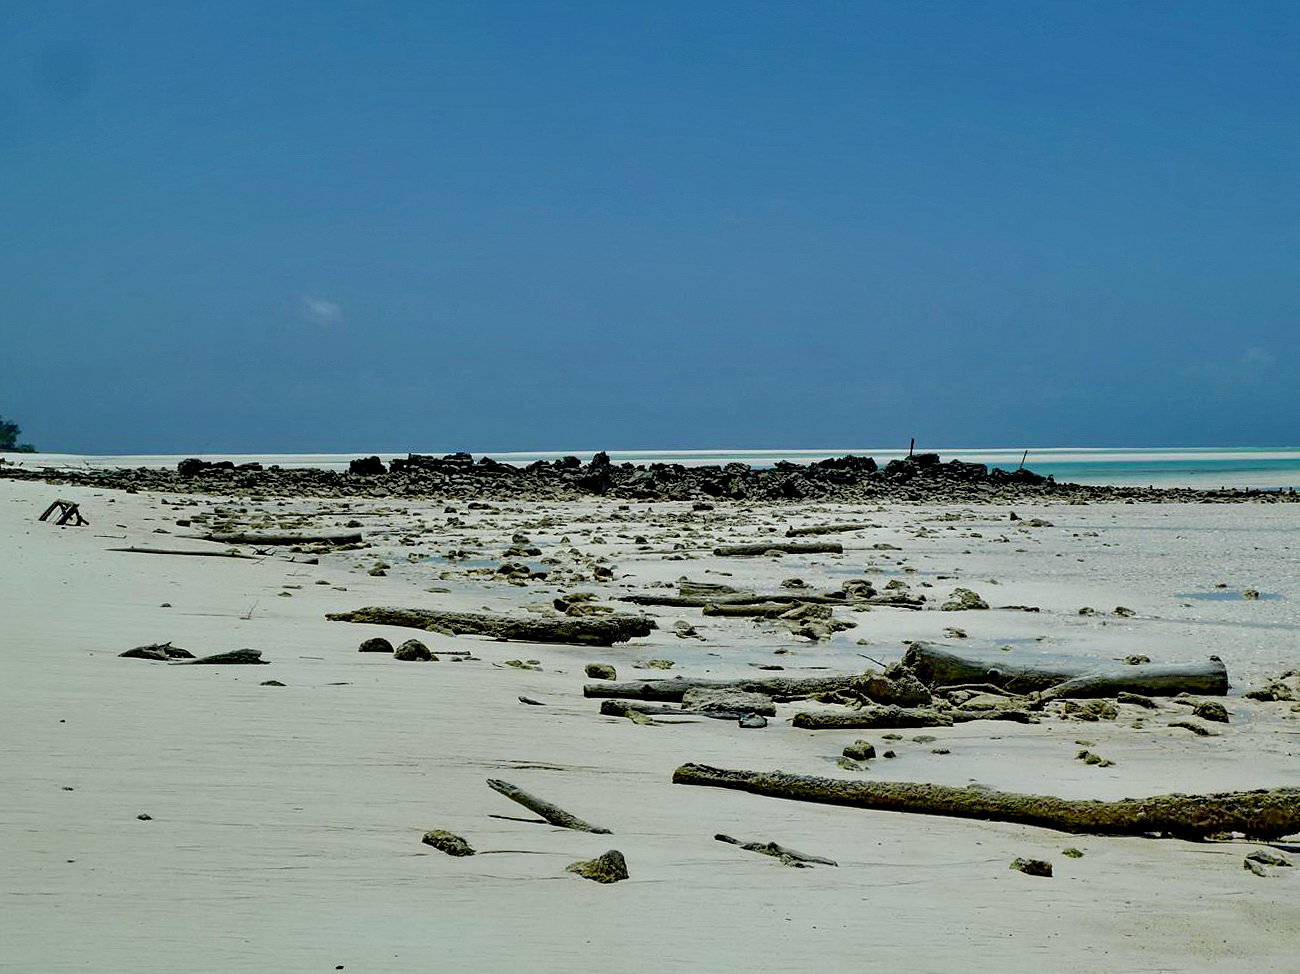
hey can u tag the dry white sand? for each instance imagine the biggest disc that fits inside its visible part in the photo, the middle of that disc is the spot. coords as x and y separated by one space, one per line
286 821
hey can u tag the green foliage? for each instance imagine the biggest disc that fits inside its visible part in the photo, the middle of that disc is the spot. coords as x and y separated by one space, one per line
9 433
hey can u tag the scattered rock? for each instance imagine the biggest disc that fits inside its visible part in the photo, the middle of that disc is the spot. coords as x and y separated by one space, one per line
1124 612
271 683
448 842
157 651
1072 853
601 671
1269 857
860 751
1033 867
376 645
753 720
413 651
608 868
1137 699
1196 729
963 599
1211 710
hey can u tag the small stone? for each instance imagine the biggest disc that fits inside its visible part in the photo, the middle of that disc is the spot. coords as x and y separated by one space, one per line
847 764
608 868
448 842
658 664
1137 659
860 751
1251 594
1033 867
1072 853
753 720
271 683
520 664
413 651
889 754
145 817
1124 612
376 645
1255 867
601 671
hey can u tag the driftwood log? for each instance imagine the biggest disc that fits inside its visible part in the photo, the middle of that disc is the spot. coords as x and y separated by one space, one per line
581 630
814 529
739 598
626 708
552 813
869 717
177 551
271 538
1061 676
785 854
871 685
1264 814
785 547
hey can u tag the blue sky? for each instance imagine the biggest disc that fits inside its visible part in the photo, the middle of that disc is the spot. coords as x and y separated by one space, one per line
498 225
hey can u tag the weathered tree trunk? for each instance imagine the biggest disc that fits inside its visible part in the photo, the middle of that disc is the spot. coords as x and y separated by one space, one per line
741 598
760 610
1061 676
869 717
1263 814
814 529
177 551
258 537
787 547
1208 677
623 708
873 686
580 630
552 813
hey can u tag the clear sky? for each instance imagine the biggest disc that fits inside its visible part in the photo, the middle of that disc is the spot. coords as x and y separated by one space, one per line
488 225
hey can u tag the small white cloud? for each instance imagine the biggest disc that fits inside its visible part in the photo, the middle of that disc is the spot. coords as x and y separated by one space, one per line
1256 357
318 311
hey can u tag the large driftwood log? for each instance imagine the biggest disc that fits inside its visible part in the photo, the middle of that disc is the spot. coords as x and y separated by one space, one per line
271 538
786 547
1263 814
178 551
1208 678
552 813
871 685
813 529
1061 676
581 630
758 610
740 598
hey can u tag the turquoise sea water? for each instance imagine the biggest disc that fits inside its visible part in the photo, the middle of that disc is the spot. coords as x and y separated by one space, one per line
1241 467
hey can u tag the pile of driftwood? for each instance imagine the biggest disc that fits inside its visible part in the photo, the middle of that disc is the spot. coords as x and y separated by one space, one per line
928 689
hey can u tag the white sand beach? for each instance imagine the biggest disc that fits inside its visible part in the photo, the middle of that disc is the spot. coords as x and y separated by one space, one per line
284 822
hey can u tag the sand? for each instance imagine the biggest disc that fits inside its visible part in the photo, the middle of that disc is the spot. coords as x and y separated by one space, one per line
285 822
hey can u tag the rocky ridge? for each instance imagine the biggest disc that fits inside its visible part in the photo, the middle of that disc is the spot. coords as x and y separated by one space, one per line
923 477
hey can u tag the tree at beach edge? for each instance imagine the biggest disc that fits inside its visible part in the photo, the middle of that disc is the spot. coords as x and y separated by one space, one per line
9 433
